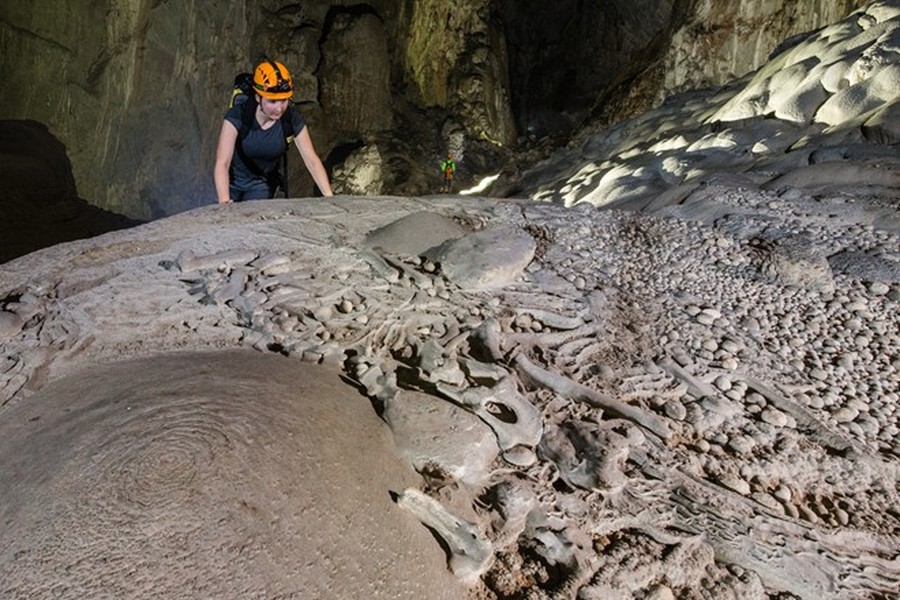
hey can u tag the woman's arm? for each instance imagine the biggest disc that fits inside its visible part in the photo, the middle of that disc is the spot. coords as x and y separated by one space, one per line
224 154
312 161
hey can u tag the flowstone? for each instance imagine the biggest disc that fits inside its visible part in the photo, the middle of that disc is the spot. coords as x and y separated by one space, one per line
561 425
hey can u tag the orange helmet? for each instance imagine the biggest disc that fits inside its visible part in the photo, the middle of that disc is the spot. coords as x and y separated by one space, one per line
273 81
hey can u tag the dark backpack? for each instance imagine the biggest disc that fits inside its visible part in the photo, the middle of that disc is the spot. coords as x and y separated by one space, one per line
243 95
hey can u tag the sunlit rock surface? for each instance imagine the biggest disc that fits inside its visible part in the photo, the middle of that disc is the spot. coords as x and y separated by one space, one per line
824 102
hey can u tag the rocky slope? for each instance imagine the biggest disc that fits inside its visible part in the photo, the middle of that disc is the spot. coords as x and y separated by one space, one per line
828 102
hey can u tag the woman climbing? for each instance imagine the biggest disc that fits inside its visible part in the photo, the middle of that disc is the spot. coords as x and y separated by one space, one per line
256 133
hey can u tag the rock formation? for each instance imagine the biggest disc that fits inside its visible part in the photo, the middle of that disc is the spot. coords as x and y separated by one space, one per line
828 103
138 100
652 405
669 370
199 484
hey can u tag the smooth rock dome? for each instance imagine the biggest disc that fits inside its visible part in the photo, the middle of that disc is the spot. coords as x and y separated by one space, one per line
232 474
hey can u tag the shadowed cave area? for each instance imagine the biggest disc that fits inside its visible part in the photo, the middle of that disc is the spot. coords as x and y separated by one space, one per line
39 202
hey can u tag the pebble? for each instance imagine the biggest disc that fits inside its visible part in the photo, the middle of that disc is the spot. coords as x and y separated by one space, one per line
808 514
310 355
783 493
741 444
345 306
830 398
818 374
661 592
791 510
730 346
822 512
723 383
735 483
734 394
879 288
756 398
857 306
773 416
768 501
859 404
846 359
729 363
270 261
853 324
705 319
675 410
751 324
520 456
845 414
816 402
842 516
854 428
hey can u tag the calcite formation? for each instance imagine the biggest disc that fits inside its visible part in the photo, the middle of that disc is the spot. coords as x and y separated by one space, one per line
648 410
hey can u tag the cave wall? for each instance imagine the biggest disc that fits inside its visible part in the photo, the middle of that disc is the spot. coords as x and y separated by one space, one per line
136 89
565 54
453 55
131 87
708 43
723 39
607 60
39 203
355 73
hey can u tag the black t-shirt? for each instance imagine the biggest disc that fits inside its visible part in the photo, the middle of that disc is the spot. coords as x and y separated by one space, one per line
263 146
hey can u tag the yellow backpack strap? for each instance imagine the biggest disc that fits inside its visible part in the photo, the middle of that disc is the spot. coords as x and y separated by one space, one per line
234 94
